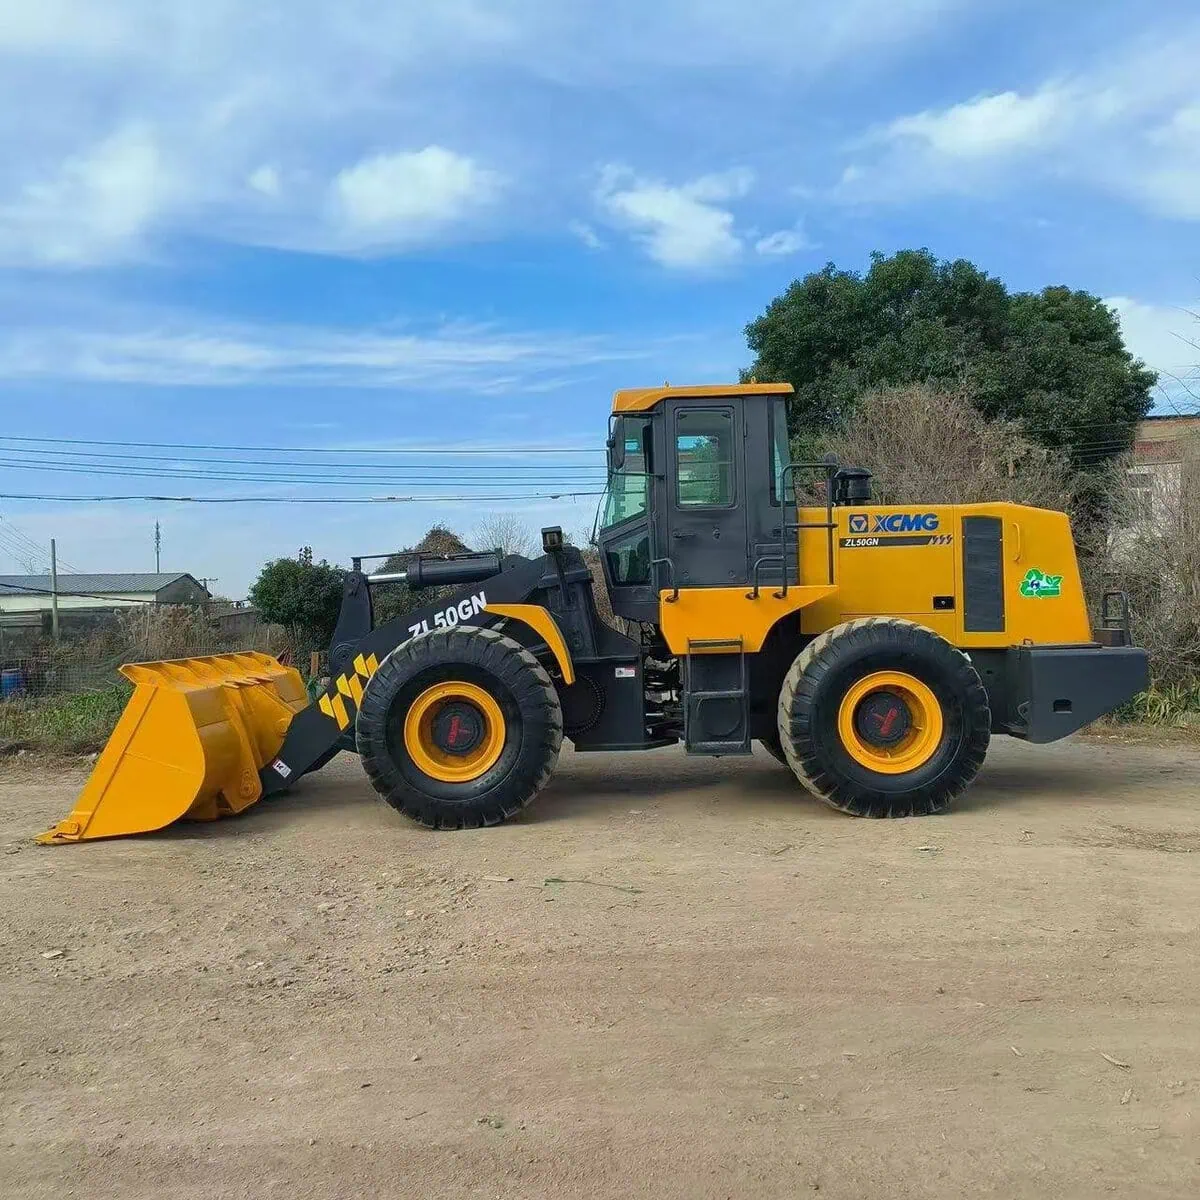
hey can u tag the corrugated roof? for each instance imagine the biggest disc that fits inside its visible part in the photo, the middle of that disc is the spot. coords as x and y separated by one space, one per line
96 585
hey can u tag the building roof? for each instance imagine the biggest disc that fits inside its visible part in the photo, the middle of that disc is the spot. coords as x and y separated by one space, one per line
1163 437
95 585
642 399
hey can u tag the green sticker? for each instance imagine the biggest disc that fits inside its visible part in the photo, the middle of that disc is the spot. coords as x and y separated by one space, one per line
1040 586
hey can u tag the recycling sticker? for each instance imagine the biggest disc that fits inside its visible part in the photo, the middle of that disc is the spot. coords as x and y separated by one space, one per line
1040 586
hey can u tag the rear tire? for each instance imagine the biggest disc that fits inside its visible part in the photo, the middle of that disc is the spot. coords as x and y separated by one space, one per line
489 686
883 718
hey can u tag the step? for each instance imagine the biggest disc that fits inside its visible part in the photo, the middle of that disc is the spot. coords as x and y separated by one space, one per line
735 694
726 748
733 645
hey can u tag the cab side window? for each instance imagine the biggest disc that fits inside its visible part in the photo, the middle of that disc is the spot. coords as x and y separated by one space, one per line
704 446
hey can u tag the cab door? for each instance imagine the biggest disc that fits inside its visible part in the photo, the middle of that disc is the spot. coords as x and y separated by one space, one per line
624 531
705 501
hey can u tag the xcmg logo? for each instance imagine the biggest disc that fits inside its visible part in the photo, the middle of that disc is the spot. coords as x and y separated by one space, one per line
905 523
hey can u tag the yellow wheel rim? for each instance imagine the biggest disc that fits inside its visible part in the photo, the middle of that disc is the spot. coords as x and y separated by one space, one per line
890 722
451 715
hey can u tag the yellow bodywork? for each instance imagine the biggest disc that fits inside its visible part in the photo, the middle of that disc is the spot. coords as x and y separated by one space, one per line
729 615
886 574
190 743
644 399
899 580
543 624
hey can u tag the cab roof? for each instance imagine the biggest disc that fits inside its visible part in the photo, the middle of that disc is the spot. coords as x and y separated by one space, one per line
643 399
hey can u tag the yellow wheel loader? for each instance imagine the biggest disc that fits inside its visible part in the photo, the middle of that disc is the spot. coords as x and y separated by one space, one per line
872 649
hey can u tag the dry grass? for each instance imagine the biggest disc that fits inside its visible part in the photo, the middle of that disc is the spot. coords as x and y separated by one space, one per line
935 447
1153 555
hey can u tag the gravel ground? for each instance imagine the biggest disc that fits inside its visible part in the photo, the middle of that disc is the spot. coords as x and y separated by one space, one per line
671 978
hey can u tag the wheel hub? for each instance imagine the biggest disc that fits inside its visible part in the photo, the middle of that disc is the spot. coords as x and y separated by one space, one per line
454 731
883 719
890 722
458 728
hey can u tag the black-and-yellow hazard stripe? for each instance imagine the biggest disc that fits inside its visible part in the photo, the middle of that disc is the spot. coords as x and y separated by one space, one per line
349 688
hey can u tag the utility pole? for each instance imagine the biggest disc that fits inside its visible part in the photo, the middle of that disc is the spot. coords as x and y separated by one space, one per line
53 591
157 548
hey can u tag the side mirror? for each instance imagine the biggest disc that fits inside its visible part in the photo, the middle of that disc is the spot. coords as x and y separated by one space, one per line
616 449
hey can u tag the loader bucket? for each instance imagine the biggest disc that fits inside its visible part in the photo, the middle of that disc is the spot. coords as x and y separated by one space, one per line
190 743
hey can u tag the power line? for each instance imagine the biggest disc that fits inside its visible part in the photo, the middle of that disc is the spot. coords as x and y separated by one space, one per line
565 494
20 537
79 457
510 450
287 478
318 471
21 546
15 549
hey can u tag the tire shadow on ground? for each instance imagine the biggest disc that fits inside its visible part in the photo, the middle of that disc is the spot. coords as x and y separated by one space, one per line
1033 782
695 782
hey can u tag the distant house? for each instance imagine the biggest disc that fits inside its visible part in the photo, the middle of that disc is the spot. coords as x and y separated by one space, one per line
1164 451
25 600
235 619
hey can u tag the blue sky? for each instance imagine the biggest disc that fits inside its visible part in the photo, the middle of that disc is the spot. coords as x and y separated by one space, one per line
292 223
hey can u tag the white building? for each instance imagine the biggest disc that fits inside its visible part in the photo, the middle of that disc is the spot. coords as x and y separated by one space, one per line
25 600
1163 447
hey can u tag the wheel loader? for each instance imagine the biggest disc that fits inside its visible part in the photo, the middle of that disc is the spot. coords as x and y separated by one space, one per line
872 649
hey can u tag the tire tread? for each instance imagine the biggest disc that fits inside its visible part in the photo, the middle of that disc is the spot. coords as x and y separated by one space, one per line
798 696
532 689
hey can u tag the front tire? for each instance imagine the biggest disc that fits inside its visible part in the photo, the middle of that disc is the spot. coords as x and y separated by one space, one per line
459 728
883 718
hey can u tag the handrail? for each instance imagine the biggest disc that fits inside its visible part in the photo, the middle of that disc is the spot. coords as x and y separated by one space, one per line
758 565
654 562
790 527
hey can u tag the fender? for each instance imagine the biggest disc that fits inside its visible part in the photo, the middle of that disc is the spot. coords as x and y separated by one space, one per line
546 627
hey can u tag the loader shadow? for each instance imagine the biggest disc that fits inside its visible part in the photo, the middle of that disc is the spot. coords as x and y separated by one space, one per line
310 800
578 788
668 779
613 783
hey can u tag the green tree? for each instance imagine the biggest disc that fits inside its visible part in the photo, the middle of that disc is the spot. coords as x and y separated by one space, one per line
301 595
1054 360
395 599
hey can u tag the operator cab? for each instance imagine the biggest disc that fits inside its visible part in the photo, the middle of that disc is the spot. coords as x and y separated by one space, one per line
698 492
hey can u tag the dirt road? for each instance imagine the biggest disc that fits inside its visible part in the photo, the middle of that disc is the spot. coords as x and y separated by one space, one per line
730 991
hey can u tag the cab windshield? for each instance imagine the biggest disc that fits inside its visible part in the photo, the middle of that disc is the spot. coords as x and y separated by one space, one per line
626 494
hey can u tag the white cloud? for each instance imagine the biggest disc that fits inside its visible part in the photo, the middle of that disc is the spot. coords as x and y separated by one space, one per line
240 103
683 227
392 199
1169 180
265 180
586 234
601 42
987 125
782 243
1164 336
61 27
1130 126
184 351
96 207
